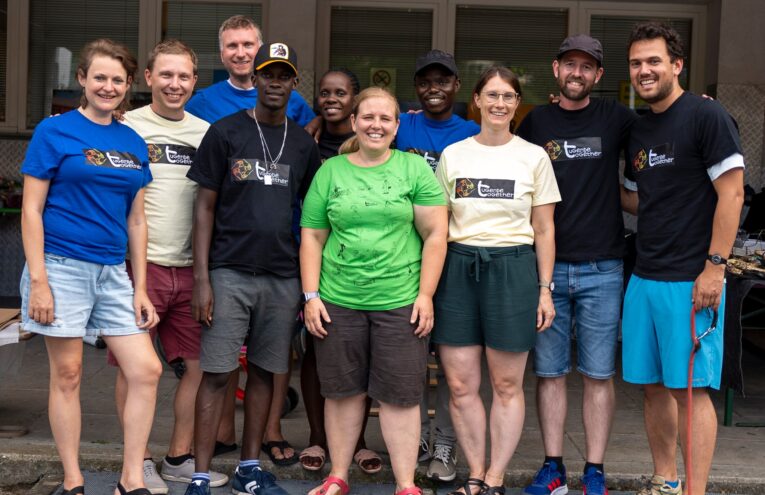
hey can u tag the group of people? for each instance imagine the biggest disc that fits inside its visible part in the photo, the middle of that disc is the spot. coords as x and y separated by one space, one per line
400 231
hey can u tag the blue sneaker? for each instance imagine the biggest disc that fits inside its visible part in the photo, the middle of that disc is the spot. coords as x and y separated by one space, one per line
198 488
549 480
594 482
254 481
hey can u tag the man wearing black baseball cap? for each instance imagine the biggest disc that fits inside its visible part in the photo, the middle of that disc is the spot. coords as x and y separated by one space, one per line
584 137
250 168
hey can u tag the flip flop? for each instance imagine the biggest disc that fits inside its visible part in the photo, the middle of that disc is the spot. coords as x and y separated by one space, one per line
368 461
313 453
333 480
282 445
412 490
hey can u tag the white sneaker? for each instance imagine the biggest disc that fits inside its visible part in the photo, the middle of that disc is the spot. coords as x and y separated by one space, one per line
185 470
152 479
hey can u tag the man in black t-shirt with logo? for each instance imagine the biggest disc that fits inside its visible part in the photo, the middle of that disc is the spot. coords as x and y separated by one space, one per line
250 167
584 137
684 179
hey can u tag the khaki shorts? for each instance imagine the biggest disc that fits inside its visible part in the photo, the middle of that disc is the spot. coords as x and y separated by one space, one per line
372 352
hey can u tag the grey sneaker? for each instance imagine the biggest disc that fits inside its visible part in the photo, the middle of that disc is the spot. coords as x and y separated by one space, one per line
152 480
185 470
423 453
658 486
443 466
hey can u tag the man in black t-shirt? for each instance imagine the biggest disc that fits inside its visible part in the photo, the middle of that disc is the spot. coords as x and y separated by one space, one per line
250 166
684 179
584 138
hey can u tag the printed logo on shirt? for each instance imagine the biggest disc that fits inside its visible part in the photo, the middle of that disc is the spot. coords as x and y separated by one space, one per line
584 148
111 159
657 156
432 157
484 188
254 169
172 154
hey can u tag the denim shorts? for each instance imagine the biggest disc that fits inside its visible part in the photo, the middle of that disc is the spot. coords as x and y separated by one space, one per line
587 297
88 299
656 336
259 311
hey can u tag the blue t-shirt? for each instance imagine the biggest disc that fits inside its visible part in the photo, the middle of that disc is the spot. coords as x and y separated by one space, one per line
222 99
428 138
95 172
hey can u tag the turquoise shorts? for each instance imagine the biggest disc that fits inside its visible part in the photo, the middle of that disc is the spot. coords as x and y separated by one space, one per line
656 336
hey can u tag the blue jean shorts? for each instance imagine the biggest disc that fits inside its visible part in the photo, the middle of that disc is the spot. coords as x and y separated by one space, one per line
656 336
88 299
587 297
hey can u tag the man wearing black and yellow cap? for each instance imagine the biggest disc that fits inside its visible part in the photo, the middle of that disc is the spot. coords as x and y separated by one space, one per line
250 167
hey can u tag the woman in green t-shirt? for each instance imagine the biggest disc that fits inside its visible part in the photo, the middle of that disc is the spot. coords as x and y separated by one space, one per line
373 245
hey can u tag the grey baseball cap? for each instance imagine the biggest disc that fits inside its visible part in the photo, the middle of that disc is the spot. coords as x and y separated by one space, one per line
582 43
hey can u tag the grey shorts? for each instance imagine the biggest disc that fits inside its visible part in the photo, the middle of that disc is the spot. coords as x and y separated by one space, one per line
373 352
259 311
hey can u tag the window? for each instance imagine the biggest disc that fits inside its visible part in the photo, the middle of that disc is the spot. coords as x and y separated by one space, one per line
3 55
613 32
526 40
57 32
381 45
197 23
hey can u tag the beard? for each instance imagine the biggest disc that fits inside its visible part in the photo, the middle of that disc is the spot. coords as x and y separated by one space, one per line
663 91
574 95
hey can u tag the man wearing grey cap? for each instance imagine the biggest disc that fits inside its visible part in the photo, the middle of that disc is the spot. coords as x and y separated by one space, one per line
584 137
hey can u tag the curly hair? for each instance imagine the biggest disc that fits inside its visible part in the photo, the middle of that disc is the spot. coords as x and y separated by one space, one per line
654 29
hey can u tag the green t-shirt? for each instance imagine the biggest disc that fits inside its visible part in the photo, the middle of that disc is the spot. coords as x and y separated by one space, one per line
372 257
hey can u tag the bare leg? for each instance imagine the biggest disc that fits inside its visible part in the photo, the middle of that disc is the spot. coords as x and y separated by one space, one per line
227 427
552 407
343 419
257 402
120 396
141 368
660 414
400 427
598 411
182 439
507 410
207 416
311 390
704 434
274 424
65 358
462 367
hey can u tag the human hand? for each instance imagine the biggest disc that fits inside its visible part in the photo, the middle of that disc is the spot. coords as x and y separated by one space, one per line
707 288
41 303
145 314
202 303
422 311
313 128
545 310
314 313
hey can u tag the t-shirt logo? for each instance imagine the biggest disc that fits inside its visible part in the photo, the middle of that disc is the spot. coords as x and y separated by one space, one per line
171 154
657 156
484 188
432 157
111 159
241 169
279 50
583 148
275 175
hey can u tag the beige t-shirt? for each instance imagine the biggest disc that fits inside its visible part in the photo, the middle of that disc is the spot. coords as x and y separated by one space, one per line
169 198
491 190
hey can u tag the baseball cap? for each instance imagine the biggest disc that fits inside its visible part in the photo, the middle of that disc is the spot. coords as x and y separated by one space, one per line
436 57
271 53
582 43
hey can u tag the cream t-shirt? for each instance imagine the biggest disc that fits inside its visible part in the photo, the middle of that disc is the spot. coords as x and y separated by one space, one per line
169 198
491 190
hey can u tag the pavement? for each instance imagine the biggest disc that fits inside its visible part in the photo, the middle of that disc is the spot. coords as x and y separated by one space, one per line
29 464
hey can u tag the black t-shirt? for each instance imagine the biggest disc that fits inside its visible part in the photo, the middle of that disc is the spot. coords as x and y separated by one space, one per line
253 213
584 147
670 154
330 143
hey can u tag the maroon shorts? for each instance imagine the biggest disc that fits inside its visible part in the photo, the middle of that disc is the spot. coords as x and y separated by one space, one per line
169 290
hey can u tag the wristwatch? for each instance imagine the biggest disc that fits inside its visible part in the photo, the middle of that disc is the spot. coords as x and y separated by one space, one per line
716 259
307 296
546 285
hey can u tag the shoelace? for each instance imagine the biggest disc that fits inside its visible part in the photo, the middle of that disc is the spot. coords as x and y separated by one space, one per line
443 453
423 445
149 470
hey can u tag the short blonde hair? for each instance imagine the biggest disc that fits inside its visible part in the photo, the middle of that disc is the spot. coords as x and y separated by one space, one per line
351 145
238 22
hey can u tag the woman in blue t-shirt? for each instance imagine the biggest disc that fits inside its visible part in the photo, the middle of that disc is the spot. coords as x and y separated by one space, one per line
84 174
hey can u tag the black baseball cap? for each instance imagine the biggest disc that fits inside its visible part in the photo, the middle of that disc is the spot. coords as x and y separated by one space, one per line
279 52
582 43
436 57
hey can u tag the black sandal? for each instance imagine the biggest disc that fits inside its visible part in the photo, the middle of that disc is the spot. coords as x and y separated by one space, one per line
469 483
493 490
137 491
77 490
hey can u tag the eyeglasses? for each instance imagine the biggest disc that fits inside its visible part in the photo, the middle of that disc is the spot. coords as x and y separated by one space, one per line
493 96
